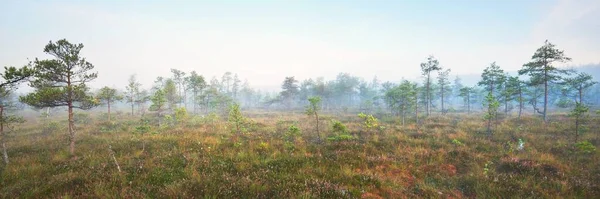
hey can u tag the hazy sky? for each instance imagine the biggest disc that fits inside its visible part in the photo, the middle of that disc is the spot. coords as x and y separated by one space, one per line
264 41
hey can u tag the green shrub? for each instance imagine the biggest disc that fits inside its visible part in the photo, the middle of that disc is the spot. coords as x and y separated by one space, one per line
585 147
339 128
369 121
237 144
292 133
50 127
341 132
289 146
82 118
107 127
143 128
263 148
168 120
237 121
180 115
343 137
457 142
211 118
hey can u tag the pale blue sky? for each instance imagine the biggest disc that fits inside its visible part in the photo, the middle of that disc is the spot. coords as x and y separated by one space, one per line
264 41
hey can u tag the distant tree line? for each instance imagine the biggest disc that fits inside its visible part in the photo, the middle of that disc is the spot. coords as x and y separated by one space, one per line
538 87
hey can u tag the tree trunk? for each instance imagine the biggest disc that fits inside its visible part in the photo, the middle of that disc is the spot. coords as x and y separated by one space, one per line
520 102
178 103
71 119
489 123
506 106
489 127
71 130
443 113
184 98
403 116
545 93
318 134
417 110
108 103
159 117
469 103
2 137
576 128
580 95
194 103
427 97
207 107
132 106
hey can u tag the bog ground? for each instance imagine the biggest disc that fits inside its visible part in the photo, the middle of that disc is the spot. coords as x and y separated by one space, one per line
279 155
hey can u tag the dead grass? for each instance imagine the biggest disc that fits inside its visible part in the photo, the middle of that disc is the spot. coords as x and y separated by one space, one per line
448 157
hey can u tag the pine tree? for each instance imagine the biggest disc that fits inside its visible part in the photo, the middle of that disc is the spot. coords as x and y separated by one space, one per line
179 81
542 72
132 92
517 89
402 98
159 101
492 111
290 91
431 65
109 95
445 89
313 109
11 77
62 82
467 94
236 119
492 79
579 83
170 90
456 89
197 85
578 112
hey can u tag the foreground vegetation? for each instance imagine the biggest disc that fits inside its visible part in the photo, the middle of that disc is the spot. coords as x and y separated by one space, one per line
316 145
279 155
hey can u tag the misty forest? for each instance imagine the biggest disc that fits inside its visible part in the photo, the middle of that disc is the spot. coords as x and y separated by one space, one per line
530 134
300 99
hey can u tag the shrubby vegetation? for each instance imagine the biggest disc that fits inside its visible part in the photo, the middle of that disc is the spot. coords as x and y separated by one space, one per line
443 158
317 138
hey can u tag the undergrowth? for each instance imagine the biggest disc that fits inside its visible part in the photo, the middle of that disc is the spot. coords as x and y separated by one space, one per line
280 157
